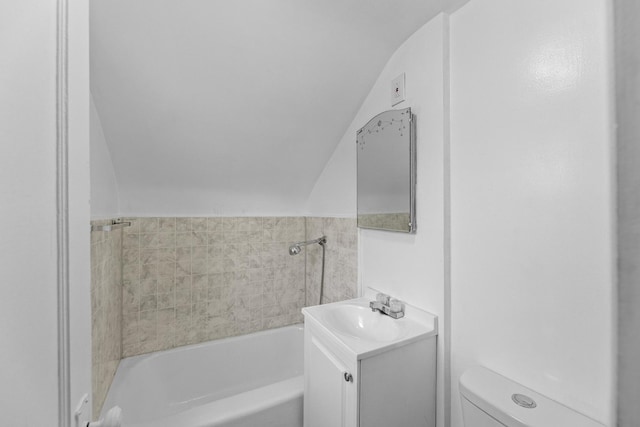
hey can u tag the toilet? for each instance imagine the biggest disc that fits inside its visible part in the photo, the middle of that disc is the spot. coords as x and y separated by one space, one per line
491 400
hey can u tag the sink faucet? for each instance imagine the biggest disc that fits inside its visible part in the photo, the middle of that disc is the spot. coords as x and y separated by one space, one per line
386 305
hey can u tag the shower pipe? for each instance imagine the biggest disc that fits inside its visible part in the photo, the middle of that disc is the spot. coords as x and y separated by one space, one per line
297 247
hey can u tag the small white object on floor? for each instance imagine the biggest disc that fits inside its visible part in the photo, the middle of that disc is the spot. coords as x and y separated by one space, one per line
113 418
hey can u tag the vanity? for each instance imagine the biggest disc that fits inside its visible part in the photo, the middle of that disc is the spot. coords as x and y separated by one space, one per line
364 368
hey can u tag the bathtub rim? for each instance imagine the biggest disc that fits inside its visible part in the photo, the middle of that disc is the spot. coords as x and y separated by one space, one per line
128 363
155 354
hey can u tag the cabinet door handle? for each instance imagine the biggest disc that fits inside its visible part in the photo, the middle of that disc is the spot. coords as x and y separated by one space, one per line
348 377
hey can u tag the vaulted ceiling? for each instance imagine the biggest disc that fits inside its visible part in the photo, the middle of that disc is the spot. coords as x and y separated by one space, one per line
239 97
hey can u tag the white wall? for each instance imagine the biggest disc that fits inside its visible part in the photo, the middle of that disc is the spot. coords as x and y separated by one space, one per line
207 107
407 266
201 201
104 184
28 252
79 193
531 197
28 360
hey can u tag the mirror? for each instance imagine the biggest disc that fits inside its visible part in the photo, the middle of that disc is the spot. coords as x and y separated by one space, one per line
386 172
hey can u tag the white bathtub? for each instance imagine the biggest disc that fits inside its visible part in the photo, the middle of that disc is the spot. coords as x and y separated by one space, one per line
246 381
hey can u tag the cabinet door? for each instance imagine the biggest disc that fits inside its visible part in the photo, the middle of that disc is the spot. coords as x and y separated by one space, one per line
330 398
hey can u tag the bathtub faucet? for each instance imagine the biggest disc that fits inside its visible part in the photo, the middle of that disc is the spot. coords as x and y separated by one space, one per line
386 305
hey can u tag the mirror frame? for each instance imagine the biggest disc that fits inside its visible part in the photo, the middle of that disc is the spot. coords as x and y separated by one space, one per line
412 164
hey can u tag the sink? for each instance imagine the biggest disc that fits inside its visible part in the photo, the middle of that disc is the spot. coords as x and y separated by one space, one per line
366 332
361 322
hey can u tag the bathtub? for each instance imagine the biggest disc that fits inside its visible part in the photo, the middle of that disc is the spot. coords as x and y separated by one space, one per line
246 381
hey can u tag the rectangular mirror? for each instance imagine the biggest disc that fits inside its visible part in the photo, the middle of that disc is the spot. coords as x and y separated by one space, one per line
386 172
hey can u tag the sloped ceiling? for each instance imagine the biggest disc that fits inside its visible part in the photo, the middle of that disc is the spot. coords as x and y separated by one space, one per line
215 103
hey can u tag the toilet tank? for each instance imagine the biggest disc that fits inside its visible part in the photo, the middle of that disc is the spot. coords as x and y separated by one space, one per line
491 400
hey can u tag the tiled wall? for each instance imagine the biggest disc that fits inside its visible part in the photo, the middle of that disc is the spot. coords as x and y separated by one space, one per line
106 309
188 280
341 260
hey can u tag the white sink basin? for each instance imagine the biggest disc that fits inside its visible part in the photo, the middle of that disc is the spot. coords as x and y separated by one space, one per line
365 332
363 323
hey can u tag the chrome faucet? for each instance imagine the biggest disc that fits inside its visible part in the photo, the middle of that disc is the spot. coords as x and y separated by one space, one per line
386 305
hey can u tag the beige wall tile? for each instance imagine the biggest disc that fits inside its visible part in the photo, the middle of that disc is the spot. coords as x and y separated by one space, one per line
167 224
183 225
187 280
199 224
148 225
107 297
340 263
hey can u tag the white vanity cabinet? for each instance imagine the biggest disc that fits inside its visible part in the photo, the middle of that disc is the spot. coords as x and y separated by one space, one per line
330 382
352 381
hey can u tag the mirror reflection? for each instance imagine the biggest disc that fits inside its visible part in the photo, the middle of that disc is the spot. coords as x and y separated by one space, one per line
386 173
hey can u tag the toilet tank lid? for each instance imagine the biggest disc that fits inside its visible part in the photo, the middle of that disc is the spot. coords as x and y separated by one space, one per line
492 393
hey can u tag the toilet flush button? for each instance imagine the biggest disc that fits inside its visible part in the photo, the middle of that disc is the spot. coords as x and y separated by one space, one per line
524 401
